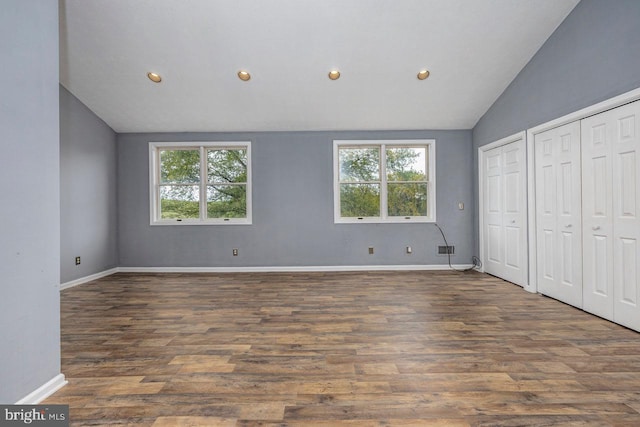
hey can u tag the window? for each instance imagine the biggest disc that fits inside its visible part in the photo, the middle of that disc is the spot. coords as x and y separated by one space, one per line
200 183
384 181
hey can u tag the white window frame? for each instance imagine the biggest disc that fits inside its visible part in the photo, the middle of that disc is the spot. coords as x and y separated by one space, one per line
430 145
154 181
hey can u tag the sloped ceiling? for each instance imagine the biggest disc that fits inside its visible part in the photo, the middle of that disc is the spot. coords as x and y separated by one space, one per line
473 49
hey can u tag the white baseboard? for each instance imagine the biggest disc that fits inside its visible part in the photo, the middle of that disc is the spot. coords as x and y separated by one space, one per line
266 269
291 269
44 391
90 278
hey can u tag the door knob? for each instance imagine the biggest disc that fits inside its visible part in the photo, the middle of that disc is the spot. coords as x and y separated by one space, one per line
597 227
568 226
513 221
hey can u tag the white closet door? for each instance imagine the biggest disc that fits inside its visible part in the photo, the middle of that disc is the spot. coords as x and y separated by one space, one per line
611 155
505 212
625 144
587 215
493 233
514 216
558 217
597 206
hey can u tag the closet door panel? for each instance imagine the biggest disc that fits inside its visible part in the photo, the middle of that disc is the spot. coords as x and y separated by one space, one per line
504 212
545 211
567 250
569 213
548 267
493 212
597 216
513 243
600 271
558 218
514 212
625 144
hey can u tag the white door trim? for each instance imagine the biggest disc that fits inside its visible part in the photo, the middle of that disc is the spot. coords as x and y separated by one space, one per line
481 158
625 98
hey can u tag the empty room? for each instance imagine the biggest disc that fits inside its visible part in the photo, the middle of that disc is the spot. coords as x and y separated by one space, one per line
338 213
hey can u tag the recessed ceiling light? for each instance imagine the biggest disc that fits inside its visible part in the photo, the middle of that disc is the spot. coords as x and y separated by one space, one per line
154 77
244 75
334 74
423 74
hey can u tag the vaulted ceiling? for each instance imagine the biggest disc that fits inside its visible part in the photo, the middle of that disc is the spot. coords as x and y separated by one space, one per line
473 49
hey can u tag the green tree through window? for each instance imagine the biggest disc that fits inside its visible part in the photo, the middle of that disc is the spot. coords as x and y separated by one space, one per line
209 182
406 181
179 184
384 181
359 182
226 189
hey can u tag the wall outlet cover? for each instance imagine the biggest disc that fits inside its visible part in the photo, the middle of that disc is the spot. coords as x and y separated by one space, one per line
444 250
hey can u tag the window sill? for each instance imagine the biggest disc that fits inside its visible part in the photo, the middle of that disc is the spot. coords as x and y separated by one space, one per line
398 220
198 222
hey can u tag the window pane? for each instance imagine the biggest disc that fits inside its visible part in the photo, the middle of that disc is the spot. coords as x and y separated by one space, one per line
227 165
359 200
407 199
179 166
359 164
227 201
179 201
407 164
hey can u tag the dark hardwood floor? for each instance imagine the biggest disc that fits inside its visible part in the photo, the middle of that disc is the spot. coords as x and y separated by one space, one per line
332 349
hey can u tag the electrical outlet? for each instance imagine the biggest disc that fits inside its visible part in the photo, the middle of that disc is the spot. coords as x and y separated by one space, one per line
461 206
370 250
235 252
409 250
444 250
77 260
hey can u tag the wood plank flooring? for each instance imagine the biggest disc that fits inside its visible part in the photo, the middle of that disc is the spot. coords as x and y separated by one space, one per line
339 349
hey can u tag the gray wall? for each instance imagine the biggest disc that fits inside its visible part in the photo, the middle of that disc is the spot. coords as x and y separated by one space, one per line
88 204
30 207
293 208
592 56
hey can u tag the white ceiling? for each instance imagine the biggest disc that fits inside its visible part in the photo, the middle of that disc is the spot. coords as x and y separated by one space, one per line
473 48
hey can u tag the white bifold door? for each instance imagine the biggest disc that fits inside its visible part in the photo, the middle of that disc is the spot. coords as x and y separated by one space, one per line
611 209
558 216
504 212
